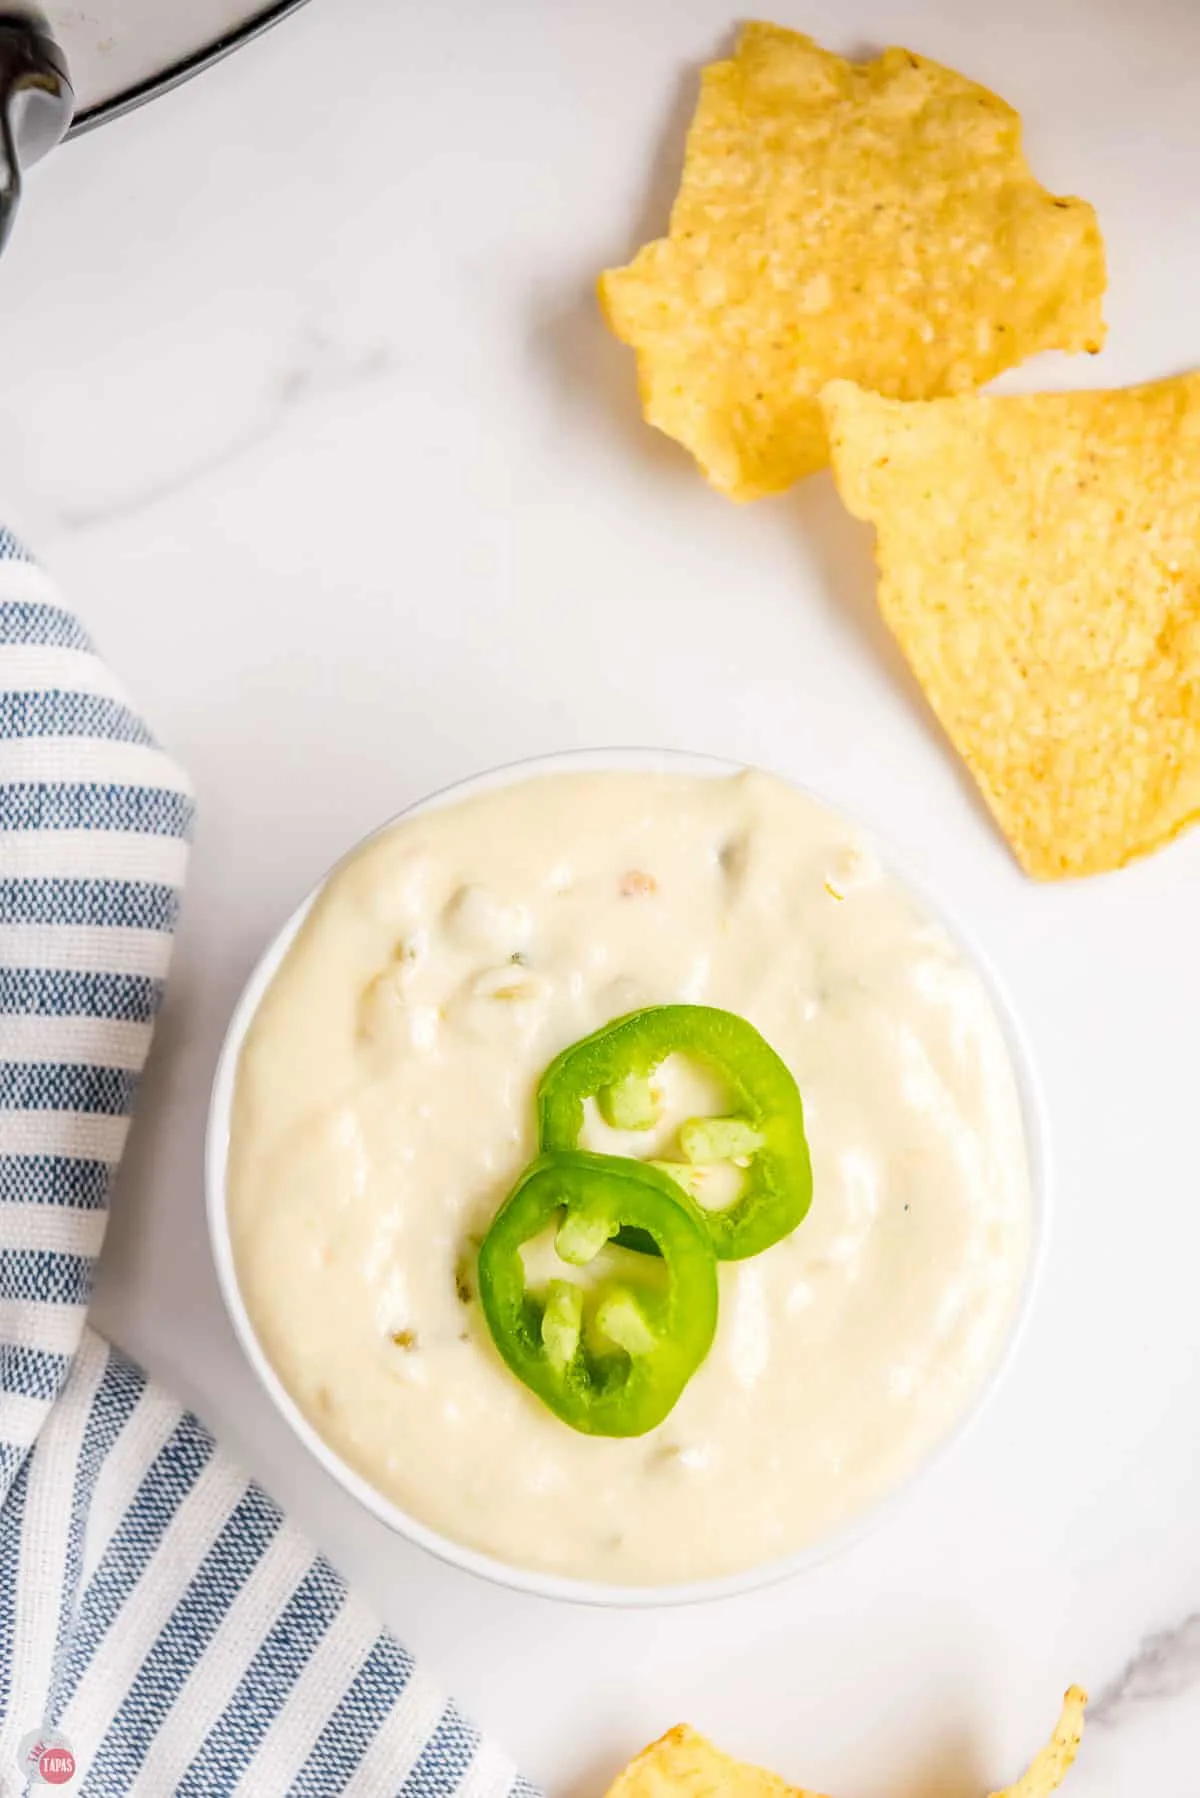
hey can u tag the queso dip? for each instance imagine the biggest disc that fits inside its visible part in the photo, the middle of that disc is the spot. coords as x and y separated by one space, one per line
384 1107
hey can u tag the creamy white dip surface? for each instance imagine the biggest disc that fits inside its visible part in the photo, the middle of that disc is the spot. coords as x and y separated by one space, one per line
384 1105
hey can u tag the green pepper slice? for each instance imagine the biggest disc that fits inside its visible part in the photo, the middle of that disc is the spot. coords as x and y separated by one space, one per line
767 1137
613 1359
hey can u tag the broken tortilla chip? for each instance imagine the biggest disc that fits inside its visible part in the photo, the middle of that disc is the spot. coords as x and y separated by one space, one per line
1040 565
684 1764
1053 1763
873 221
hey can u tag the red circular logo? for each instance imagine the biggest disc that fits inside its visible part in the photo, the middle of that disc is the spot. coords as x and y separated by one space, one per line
56 1766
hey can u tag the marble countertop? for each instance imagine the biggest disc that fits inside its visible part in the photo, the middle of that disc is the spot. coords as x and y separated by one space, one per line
306 400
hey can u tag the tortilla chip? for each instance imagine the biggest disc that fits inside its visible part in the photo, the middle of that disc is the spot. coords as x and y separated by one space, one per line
1052 1764
873 221
1040 564
683 1764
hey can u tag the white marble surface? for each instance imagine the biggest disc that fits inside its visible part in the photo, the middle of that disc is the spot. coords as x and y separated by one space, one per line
305 398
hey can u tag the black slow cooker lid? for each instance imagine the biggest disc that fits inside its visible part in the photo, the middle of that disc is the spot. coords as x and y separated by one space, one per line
121 52
66 68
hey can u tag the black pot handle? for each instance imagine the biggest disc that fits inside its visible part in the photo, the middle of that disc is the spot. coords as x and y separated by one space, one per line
36 103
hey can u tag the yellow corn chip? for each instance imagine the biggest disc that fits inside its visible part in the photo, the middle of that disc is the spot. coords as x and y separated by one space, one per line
1051 1766
683 1764
872 221
1040 564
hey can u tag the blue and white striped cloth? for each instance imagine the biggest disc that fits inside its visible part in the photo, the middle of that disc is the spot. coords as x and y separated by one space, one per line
160 1620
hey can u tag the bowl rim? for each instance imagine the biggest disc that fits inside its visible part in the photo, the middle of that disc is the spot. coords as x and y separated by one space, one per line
534 1581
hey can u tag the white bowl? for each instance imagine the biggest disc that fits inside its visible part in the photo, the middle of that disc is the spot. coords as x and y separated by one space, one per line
524 1579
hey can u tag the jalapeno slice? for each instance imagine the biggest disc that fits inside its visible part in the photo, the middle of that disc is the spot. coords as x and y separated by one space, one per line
766 1136
611 1358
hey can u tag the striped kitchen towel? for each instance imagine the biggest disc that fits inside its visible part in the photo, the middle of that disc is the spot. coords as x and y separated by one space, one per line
163 1629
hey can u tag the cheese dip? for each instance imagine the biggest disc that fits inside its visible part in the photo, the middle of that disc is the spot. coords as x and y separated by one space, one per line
384 1106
